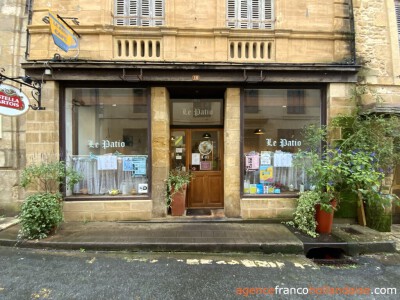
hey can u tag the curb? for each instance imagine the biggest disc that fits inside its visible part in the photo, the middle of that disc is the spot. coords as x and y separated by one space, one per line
8 222
160 247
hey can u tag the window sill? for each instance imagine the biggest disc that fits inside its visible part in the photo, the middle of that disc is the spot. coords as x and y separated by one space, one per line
281 195
106 197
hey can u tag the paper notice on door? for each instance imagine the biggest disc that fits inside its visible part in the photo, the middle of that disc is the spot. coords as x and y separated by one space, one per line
195 158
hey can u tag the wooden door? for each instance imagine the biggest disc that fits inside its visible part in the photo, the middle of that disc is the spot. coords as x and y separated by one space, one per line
201 151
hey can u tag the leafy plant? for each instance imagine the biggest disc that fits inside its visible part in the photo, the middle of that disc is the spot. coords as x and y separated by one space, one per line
176 181
304 215
48 176
41 213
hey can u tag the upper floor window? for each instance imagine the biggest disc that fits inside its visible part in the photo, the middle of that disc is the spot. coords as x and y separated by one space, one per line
251 14
139 12
397 7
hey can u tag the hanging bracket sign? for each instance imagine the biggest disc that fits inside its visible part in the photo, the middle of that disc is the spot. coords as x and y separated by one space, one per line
63 35
13 102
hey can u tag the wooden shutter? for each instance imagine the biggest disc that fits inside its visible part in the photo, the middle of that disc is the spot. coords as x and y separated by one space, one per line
268 13
244 14
397 8
255 14
231 13
158 12
120 12
133 12
145 13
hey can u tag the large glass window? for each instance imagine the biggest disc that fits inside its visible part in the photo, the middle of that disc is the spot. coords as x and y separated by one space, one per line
273 123
107 140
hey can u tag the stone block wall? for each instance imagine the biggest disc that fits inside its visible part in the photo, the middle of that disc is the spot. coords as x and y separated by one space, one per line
272 208
13 20
377 48
311 31
113 210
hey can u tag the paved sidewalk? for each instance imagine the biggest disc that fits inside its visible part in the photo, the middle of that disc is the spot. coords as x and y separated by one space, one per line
206 236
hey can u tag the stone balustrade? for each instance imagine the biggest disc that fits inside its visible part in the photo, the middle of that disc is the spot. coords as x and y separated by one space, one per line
137 49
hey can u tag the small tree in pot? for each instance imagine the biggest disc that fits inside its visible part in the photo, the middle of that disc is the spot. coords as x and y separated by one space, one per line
175 190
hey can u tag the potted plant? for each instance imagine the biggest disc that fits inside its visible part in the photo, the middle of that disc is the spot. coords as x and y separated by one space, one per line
304 217
41 213
369 154
321 164
175 192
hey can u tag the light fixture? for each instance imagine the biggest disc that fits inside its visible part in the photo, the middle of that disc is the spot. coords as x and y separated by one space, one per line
206 135
172 138
258 131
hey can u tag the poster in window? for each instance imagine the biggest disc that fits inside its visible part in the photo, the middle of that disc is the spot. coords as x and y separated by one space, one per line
252 162
266 174
265 158
139 165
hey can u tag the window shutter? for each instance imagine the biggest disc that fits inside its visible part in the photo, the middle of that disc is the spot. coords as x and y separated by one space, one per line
255 14
133 12
159 12
268 13
231 13
244 14
397 8
120 12
145 13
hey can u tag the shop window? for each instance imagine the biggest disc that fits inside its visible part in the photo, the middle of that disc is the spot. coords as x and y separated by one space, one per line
139 12
250 14
107 140
273 135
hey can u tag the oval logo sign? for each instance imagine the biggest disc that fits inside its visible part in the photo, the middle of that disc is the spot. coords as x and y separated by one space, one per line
12 101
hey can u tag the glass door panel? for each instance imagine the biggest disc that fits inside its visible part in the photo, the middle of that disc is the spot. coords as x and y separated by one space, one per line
178 150
205 152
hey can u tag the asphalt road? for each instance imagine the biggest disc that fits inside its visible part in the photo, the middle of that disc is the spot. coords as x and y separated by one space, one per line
41 274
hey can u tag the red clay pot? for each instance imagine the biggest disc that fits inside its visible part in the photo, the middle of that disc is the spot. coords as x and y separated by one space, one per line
178 203
324 219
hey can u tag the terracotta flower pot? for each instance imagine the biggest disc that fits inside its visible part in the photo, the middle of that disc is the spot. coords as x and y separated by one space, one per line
178 203
324 219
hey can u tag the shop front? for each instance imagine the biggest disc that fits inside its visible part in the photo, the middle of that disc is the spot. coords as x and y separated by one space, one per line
238 138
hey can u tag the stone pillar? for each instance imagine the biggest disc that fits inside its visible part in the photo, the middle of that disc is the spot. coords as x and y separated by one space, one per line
160 148
42 127
232 153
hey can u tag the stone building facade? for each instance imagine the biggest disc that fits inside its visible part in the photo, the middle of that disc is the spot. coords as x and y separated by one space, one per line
13 22
147 83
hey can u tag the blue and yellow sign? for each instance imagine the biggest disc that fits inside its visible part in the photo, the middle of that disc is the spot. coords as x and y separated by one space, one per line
63 36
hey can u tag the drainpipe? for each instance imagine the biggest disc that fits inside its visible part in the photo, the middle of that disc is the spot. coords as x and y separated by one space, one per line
29 5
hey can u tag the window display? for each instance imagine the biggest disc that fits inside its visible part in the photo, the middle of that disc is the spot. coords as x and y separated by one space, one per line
273 122
107 140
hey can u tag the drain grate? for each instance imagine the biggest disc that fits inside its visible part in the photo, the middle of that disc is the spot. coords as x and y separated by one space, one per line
329 256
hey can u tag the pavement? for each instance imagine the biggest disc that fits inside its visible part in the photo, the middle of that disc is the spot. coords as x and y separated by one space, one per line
204 235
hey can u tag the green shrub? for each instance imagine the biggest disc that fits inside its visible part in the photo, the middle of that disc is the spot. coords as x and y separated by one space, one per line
40 215
48 176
